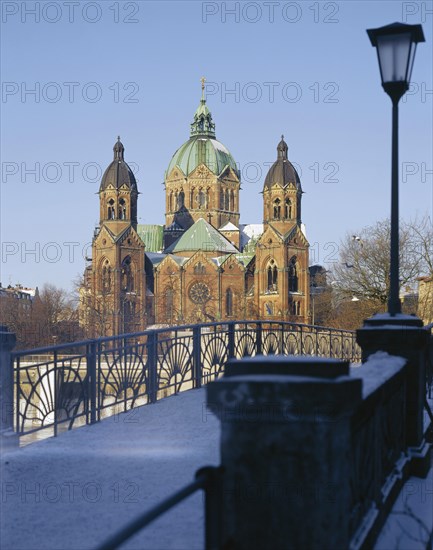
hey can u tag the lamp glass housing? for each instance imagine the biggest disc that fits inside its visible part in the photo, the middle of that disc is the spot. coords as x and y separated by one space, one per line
396 55
396 46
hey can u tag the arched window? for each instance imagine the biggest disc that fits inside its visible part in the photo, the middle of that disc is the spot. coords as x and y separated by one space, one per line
229 302
272 277
293 275
127 275
222 200
111 213
106 276
169 310
199 269
295 308
277 209
122 209
232 201
288 209
180 200
227 200
201 199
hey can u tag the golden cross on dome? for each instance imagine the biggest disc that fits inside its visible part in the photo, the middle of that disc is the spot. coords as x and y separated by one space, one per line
202 80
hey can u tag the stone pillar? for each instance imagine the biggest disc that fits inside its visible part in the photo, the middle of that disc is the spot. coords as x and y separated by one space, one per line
8 438
404 336
285 451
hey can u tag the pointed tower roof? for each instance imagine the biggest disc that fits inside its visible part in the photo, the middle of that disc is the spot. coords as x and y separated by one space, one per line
118 172
282 171
202 236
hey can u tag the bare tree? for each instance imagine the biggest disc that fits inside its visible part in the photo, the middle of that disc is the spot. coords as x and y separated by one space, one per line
50 317
364 267
55 316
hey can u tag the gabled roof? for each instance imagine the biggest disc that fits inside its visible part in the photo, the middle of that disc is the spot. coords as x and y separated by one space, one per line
156 259
202 236
229 226
116 237
295 231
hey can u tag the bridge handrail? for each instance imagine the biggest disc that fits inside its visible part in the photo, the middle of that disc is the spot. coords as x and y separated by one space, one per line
207 479
84 381
173 328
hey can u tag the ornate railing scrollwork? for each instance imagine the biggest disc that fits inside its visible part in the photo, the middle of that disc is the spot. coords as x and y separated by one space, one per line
82 382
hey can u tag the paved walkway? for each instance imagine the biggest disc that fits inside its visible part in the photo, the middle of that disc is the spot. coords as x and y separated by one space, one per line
70 492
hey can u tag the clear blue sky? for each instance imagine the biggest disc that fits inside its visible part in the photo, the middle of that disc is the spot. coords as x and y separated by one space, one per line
144 61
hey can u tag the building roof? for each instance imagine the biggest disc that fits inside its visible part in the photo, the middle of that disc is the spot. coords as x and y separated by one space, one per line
229 226
201 150
118 172
152 236
250 233
156 258
282 171
202 236
244 259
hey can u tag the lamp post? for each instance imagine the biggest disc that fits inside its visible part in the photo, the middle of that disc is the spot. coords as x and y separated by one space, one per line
395 333
396 45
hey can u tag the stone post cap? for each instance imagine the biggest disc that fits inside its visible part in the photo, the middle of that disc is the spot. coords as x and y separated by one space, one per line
320 367
399 319
281 389
7 339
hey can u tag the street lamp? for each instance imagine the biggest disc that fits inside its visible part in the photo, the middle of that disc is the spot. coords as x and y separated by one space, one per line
396 45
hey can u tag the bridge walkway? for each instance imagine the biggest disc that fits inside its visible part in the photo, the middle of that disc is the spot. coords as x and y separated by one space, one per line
89 482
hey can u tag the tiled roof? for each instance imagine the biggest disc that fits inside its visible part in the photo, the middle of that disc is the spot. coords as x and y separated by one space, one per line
202 236
152 236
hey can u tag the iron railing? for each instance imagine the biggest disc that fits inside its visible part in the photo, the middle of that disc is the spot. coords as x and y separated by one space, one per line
207 479
68 385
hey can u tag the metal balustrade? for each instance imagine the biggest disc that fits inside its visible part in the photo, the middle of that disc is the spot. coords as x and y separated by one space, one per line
69 385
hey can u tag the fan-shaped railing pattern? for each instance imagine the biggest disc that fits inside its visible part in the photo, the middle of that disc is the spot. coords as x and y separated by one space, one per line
73 384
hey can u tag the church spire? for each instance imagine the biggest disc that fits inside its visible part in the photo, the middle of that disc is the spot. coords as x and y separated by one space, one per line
202 124
282 149
118 149
202 80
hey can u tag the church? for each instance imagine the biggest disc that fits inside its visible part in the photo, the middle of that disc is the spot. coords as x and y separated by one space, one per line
202 265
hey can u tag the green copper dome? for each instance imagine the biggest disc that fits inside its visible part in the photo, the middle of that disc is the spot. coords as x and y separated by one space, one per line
202 147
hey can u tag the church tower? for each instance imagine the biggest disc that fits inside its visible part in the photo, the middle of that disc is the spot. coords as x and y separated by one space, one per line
281 277
118 193
202 181
117 284
282 193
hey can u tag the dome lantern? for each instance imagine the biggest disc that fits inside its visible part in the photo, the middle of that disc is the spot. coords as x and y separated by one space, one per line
118 149
282 149
202 124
